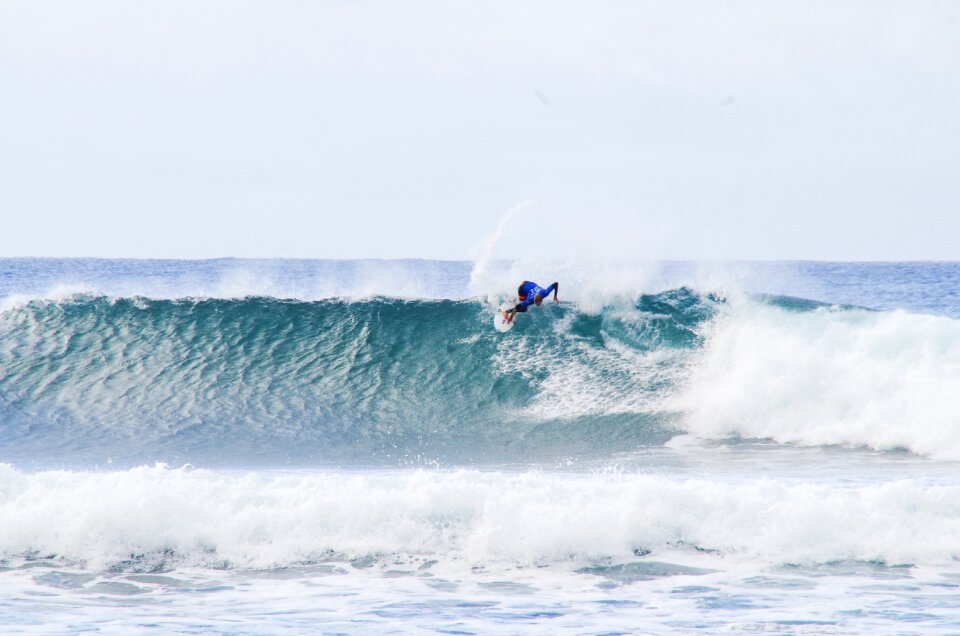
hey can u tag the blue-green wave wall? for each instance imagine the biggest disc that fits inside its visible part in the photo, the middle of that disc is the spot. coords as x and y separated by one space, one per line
262 379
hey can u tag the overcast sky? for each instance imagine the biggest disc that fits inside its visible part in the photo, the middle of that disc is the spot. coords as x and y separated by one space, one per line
705 130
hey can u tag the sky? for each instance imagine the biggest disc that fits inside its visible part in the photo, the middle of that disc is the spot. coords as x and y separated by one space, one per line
354 129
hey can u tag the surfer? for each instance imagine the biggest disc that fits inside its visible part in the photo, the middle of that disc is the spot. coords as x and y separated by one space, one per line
530 294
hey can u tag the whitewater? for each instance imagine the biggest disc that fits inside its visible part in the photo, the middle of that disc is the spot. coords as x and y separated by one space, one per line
255 446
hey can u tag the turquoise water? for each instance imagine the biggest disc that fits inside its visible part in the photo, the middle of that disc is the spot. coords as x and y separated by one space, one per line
255 380
242 447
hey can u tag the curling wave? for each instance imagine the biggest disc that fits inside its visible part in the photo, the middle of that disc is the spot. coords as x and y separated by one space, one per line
263 380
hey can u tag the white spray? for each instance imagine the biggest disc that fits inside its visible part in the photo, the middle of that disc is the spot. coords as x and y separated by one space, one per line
482 280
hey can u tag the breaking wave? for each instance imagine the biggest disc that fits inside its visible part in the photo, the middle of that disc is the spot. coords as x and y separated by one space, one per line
261 379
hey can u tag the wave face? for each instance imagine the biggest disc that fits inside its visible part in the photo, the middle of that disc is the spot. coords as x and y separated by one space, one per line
265 379
386 381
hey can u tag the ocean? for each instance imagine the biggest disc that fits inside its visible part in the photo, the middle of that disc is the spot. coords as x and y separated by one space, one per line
349 447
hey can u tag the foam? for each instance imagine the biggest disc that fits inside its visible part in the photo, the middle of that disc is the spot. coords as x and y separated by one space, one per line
575 378
264 519
831 376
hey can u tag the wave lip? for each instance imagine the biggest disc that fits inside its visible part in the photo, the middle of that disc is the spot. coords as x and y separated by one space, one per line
229 278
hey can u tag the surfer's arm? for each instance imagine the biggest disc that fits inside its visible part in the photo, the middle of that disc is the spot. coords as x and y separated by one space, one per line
520 308
556 288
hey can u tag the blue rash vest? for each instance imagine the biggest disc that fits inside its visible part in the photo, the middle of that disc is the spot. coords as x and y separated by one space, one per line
528 290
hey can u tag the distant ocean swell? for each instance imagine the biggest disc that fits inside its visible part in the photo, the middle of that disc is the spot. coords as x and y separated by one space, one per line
136 379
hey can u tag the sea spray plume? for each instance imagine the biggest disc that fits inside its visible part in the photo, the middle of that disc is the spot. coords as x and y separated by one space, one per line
593 279
482 281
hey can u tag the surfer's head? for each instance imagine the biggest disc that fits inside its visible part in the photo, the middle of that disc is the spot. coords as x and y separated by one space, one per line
537 300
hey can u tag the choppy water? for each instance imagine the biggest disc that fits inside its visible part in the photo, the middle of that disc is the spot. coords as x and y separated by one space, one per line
349 447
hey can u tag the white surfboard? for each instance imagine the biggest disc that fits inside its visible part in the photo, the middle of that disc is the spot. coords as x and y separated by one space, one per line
498 322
